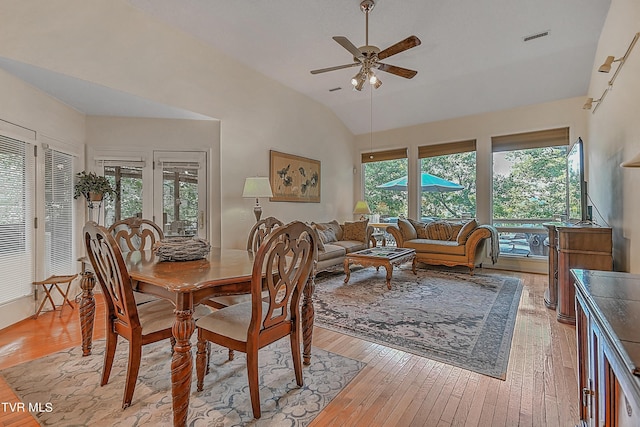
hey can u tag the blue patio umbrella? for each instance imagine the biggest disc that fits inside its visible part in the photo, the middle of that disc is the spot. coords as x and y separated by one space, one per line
430 183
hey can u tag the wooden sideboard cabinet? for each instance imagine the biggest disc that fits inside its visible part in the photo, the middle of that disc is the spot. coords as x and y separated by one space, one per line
608 348
573 246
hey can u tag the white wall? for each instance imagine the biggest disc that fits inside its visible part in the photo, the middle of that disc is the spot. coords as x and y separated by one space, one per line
614 136
481 127
151 60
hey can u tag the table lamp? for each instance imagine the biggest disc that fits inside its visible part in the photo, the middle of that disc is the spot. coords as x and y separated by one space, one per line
362 208
257 186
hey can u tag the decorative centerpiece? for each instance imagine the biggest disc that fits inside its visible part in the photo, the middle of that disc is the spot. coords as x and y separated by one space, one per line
182 249
93 187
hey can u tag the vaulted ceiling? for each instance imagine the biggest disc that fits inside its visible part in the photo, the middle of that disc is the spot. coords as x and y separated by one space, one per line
473 57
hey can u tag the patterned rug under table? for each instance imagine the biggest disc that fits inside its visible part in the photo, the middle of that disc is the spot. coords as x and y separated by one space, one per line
66 386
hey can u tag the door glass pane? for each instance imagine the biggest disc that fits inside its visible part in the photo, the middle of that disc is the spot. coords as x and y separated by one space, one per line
16 213
127 180
58 225
180 198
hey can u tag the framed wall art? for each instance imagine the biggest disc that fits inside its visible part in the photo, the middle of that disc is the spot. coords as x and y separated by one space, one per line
294 178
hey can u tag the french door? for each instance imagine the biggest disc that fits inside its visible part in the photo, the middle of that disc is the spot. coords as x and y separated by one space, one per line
36 215
180 192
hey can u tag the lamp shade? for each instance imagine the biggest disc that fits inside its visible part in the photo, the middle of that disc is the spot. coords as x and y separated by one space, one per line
362 208
633 163
257 186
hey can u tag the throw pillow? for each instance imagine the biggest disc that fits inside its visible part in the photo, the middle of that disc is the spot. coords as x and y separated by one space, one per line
355 231
327 235
455 229
421 228
407 230
319 242
439 230
465 231
337 230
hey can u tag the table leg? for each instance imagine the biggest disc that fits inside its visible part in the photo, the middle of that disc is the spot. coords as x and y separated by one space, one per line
389 268
413 265
308 315
182 366
347 271
87 311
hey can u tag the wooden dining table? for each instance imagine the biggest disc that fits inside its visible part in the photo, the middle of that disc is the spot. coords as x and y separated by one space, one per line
187 284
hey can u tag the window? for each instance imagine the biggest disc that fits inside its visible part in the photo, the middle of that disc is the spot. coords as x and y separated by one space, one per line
448 180
385 184
17 187
529 188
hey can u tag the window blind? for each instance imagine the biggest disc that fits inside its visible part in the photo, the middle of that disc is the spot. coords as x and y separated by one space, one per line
447 148
378 156
17 186
58 224
527 140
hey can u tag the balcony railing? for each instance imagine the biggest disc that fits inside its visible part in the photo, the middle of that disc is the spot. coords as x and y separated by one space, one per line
523 237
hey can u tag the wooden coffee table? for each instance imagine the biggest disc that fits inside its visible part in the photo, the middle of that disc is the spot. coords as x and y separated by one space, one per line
380 257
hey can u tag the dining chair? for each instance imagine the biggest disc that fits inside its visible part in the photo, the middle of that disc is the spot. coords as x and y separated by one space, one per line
136 234
257 234
282 263
140 325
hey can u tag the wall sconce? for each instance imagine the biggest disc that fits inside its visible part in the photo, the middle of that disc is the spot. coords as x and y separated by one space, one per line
362 208
587 105
605 68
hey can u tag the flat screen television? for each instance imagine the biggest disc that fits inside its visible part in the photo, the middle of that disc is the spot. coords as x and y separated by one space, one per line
576 185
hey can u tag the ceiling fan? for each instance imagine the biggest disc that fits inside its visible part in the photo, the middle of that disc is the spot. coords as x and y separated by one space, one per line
368 57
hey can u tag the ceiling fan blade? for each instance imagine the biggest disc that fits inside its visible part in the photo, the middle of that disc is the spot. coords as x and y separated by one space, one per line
337 67
398 71
345 43
408 43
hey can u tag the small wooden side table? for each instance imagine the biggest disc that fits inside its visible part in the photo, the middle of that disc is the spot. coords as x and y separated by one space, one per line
378 257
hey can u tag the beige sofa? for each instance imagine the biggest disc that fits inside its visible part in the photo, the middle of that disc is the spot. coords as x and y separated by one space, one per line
446 243
336 240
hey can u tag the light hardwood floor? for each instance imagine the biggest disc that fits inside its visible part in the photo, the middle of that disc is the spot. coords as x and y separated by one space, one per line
395 388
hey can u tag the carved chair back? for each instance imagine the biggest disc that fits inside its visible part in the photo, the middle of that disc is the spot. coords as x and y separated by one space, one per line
111 272
282 266
260 230
136 234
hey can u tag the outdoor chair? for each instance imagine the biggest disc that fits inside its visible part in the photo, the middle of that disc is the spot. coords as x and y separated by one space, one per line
283 262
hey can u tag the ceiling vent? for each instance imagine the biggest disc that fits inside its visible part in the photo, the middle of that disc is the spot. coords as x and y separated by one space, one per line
536 36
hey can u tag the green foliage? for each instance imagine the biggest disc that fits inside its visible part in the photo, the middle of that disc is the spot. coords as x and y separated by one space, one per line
459 168
381 201
536 186
91 183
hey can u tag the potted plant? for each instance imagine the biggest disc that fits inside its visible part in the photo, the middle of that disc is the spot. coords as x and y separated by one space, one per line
93 187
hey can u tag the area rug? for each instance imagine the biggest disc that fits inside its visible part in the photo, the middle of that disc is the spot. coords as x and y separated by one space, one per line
66 387
459 319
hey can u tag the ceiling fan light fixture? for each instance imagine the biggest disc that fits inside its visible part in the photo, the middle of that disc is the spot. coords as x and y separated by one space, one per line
360 83
377 84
